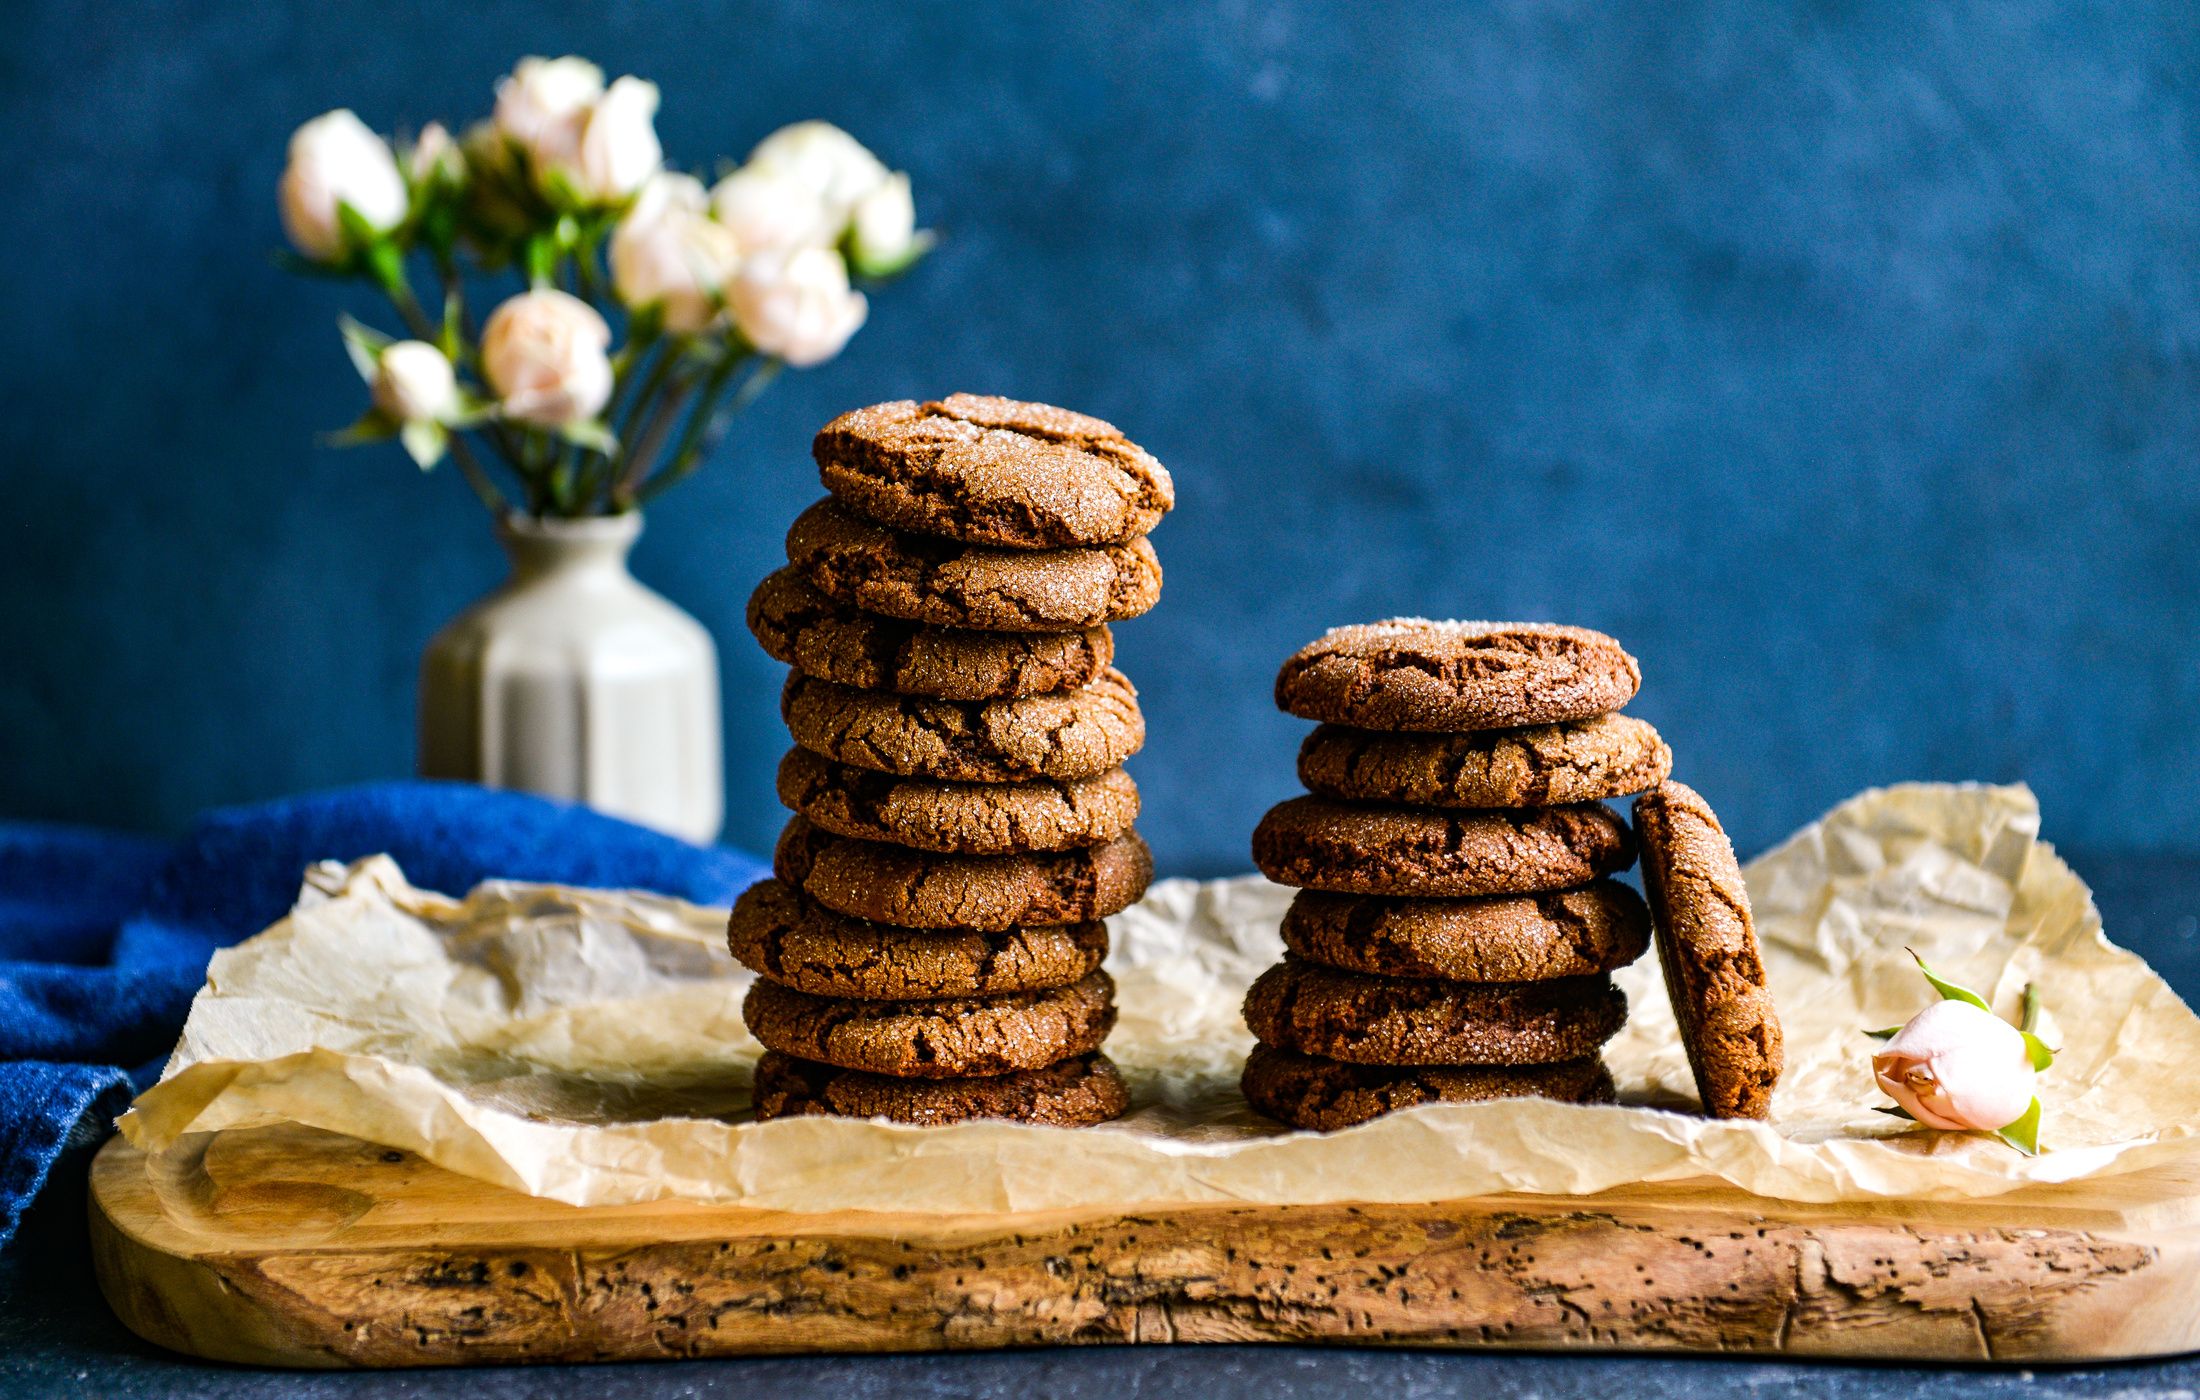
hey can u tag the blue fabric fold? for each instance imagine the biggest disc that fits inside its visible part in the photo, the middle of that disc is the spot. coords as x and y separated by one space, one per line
104 937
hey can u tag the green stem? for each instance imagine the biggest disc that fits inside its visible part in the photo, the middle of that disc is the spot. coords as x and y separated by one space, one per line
708 424
478 479
625 365
401 296
646 444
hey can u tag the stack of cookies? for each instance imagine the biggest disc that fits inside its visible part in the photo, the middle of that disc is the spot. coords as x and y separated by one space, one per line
930 948
1455 927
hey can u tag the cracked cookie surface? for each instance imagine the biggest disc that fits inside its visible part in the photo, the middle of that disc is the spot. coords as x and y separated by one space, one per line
934 1039
1498 938
1306 1091
916 889
993 471
1707 945
780 935
1579 761
1074 1093
1349 1016
837 642
958 818
1419 675
1317 843
948 583
1071 734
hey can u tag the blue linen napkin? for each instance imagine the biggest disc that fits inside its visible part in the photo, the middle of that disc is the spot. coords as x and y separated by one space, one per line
104 937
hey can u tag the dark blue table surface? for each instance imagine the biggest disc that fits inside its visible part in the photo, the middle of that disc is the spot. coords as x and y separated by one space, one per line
57 1337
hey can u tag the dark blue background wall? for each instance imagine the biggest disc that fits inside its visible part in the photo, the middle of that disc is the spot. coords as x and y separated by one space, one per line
1843 360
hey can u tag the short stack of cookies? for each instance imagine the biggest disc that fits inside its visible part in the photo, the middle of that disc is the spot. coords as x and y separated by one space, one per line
1456 926
930 948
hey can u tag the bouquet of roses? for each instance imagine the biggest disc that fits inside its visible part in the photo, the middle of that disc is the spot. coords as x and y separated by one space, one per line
564 193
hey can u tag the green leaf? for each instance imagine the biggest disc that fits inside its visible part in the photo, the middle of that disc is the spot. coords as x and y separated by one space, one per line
2036 1049
2024 1134
1897 1111
884 269
365 346
387 265
424 442
593 435
372 426
358 233
1949 991
1888 1034
2030 1020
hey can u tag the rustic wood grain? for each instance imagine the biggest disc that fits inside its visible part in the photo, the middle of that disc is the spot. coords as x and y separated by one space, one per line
293 1247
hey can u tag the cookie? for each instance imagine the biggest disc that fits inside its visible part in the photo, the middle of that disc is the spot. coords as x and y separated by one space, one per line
975 819
950 584
1579 761
778 934
1498 938
1326 1095
916 889
1414 674
1068 735
1320 844
1075 1093
934 1039
1707 942
993 471
1394 1021
835 642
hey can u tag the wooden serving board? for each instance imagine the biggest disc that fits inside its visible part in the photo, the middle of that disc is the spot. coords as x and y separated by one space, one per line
292 1247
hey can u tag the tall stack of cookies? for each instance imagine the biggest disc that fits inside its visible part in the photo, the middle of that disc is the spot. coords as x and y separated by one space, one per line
1456 924
930 948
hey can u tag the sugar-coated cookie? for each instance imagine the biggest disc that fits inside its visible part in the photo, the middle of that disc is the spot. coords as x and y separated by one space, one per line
1415 674
993 471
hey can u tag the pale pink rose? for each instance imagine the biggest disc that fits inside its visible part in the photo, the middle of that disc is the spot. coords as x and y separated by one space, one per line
797 306
1958 1067
619 150
543 107
827 159
882 235
335 159
414 383
668 253
543 352
767 207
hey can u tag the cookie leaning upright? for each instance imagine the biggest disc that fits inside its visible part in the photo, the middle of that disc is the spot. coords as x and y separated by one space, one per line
1707 942
929 950
1455 932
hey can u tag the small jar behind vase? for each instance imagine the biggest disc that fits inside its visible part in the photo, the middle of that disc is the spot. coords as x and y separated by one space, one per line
573 680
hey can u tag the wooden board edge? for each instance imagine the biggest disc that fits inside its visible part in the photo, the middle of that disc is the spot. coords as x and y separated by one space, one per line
1459 1274
184 1305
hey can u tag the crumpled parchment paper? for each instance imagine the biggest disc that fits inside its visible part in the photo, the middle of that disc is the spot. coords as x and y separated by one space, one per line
588 1047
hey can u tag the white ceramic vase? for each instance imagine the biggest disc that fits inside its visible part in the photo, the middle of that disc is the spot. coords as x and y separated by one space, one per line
574 681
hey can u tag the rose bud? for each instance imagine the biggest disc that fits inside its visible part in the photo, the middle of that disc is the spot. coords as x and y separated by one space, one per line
435 157
414 383
544 106
797 306
666 253
619 149
828 160
335 159
766 207
543 353
882 236
1957 1066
